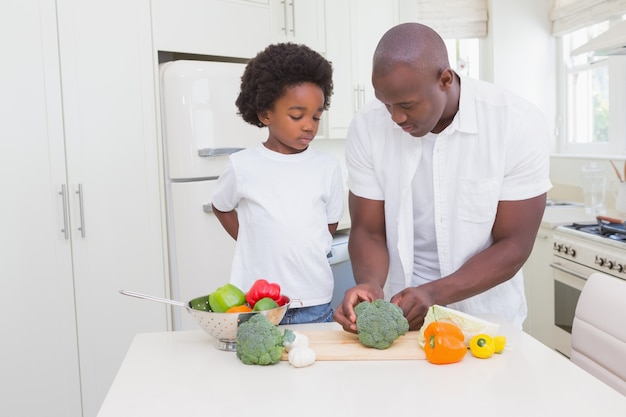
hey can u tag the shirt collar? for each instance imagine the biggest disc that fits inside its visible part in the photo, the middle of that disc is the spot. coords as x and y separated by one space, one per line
465 119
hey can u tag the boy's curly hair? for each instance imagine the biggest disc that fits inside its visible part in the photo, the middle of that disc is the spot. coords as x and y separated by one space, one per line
275 69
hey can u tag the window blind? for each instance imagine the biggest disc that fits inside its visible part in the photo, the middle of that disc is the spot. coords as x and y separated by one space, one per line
569 15
454 19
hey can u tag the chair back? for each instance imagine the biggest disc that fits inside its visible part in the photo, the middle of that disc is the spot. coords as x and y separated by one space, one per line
599 330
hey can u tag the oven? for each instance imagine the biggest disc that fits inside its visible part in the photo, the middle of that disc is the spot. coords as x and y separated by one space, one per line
579 250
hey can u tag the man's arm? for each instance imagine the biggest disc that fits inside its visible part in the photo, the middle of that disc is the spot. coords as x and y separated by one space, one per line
369 257
513 234
368 243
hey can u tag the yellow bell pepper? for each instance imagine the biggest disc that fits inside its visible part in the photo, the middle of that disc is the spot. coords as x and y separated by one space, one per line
482 346
499 342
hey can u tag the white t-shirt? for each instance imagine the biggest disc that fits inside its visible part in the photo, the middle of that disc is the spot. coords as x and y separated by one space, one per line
425 257
496 148
284 205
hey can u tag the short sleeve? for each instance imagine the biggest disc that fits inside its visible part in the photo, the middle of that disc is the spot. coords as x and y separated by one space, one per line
226 194
362 180
528 158
336 204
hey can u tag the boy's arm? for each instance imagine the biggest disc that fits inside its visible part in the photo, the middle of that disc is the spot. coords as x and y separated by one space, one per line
229 221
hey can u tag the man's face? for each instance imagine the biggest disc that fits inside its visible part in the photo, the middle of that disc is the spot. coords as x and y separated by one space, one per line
415 101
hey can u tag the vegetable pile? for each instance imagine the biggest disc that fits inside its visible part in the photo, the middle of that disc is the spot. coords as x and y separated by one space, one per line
379 323
259 342
470 325
263 295
447 334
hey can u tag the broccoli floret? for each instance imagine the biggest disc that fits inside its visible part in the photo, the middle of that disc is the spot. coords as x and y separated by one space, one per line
259 342
379 323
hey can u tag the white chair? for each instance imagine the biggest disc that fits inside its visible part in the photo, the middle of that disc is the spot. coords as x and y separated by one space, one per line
599 330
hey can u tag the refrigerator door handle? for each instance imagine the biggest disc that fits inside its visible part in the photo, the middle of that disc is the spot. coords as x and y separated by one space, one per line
207 208
211 152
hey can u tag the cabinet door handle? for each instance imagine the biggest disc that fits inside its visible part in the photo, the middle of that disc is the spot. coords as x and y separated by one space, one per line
81 210
284 28
63 194
293 17
362 96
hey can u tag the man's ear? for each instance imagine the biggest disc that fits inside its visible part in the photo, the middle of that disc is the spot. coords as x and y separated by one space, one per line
446 79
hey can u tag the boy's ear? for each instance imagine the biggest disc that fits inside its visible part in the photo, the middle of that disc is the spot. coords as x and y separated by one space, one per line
263 117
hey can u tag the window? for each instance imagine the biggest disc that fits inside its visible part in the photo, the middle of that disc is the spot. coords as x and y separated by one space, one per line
464 56
461 23
593 97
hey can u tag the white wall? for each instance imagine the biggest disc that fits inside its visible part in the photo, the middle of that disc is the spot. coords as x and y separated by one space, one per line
520 52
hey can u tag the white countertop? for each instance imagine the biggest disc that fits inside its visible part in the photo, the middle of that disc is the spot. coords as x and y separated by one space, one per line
558 216
183 374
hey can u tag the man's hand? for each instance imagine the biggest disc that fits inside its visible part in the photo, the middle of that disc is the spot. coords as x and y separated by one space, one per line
414 303
344 314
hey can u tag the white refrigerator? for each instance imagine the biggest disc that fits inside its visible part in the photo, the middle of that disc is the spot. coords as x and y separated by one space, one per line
201 128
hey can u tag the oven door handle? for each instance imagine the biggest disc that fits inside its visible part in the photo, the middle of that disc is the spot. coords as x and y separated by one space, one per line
561 268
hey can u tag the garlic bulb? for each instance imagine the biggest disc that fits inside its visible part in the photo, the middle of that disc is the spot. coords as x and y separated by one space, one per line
301 356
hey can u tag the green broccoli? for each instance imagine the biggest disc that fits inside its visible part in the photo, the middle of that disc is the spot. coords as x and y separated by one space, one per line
379 323
259 342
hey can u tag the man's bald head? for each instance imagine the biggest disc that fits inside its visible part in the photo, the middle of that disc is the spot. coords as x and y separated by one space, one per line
410 44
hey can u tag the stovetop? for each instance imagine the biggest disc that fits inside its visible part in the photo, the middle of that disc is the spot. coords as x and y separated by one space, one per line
613 231
599 245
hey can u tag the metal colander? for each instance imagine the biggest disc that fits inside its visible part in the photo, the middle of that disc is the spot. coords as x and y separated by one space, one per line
221 326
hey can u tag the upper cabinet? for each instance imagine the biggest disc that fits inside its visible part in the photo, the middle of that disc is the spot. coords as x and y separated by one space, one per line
299 21
226 28
355 27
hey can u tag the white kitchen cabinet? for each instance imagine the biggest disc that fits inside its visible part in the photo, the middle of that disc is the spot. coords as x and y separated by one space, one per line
355 27
540 288
78 114
299 21
39 372
225 28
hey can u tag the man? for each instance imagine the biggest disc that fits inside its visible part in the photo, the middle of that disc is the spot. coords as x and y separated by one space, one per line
448 179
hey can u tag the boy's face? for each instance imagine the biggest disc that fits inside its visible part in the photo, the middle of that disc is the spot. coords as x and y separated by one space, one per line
294 119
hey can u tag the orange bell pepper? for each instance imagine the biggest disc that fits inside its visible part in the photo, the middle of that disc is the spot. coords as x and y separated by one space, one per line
444 343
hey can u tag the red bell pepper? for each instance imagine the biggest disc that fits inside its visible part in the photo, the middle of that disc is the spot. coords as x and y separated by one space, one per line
262 288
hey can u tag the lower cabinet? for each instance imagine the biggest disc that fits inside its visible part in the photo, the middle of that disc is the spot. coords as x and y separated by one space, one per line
540 289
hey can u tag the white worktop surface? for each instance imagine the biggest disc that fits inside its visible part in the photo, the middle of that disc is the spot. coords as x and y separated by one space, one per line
558 216
183 374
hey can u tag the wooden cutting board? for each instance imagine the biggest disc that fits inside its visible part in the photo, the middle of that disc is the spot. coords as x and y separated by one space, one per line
339 345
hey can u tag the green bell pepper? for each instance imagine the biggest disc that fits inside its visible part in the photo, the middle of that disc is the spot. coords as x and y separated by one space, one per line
225 297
